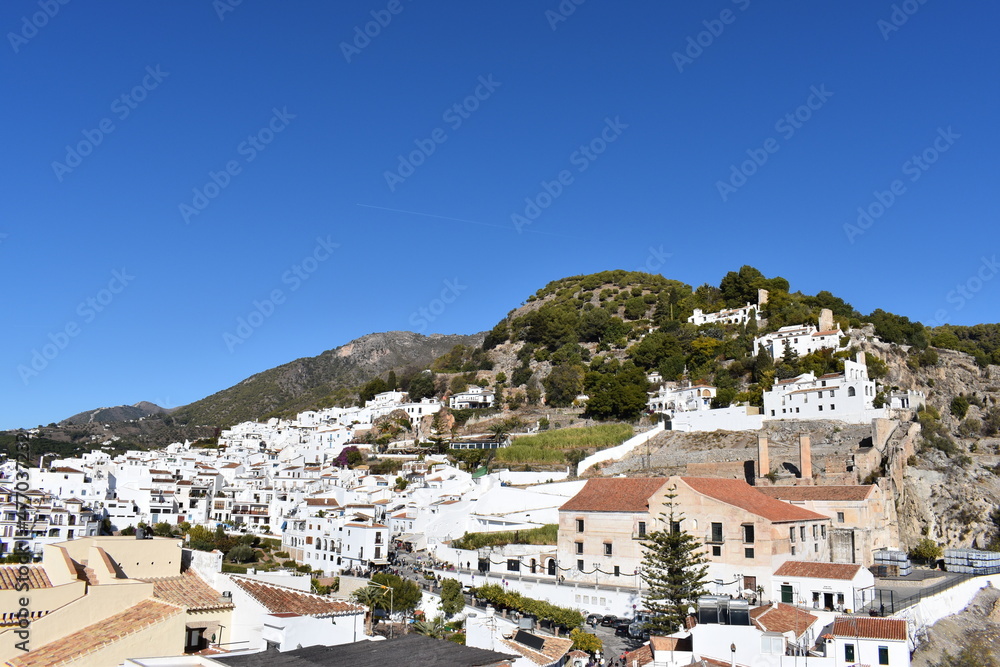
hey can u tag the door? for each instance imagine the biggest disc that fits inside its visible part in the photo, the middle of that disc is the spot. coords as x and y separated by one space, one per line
552 567
828 601
786 594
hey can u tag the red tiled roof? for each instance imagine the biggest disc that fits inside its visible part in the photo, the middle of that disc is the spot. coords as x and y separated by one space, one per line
671 643
278 599
641 656
97 636
189 591
799 493
35 578
67 470
870 628
738 493
782 618
553 648
798 568
614 494
324 502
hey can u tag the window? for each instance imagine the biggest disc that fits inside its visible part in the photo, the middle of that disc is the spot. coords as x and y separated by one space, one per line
815 547
716 551
675 526
820 395
579 525
791 535
607 548
802 533
378 553
748 533
579 547
716 532
617 570
822 531
840 517
833 407
642 529
883 655
821 408
793 551
851 392
579 565
815 531
513 565
849 652
748 552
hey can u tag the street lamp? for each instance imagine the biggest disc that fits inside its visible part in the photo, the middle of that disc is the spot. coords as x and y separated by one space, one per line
385 588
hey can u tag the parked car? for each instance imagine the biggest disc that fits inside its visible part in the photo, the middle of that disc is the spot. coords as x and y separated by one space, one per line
595 619
609 621
637 629
621 630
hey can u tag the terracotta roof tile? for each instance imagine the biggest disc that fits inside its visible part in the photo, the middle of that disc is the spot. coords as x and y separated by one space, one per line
798 568
279 599
614 494
870 628
36 578
782 618
98 636
641 656
671 643
553 648
189 591
799 493
738 493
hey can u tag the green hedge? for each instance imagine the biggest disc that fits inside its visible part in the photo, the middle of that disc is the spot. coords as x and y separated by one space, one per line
563 617
547 534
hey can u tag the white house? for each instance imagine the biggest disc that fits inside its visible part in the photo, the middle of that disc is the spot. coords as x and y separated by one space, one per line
473 397
740 315
829 586
847 396
801 339
670 400
862 640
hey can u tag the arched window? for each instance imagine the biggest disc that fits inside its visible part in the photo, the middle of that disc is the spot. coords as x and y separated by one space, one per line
552 567
851 391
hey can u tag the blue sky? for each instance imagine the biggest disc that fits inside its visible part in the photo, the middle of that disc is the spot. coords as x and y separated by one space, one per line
170 168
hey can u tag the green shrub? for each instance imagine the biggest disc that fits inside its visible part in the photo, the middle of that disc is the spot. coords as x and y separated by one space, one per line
546 534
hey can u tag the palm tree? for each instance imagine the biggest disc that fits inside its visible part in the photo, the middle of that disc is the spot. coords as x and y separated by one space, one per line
433 628
368 597
500 431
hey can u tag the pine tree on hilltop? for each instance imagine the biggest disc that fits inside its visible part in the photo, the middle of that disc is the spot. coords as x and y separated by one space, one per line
674 570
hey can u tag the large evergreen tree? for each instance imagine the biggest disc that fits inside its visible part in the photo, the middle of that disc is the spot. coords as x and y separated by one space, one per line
674 571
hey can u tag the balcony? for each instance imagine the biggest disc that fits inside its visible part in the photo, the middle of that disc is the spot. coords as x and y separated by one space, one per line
714 538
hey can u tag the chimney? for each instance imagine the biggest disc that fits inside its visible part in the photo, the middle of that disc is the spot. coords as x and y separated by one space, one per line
805 457
763 462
